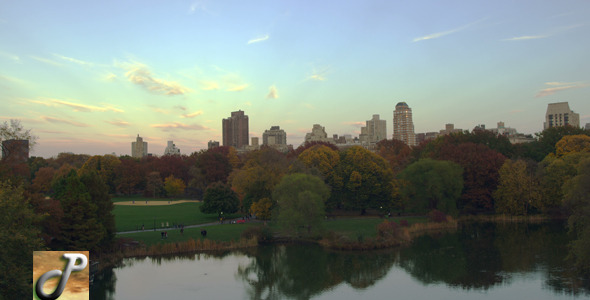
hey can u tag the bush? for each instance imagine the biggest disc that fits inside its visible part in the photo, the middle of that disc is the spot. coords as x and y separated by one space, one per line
262 233
437 216
404 223
389 230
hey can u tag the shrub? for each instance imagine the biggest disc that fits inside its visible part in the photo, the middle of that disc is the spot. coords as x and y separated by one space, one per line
389 230
404 223
437 216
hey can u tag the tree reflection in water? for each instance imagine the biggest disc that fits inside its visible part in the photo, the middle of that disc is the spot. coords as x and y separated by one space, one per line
302 271
483 255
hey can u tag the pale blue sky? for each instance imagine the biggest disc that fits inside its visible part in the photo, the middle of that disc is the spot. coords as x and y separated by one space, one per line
88 77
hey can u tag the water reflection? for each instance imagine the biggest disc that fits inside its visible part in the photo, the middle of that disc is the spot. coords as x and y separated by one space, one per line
483 255
302 271
478 257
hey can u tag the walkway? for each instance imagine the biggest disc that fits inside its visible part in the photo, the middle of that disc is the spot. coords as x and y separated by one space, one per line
189 226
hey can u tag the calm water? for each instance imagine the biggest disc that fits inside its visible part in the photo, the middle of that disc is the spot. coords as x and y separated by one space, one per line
479 261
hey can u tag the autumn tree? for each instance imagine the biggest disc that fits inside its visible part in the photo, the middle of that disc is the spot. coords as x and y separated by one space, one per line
262 171
518 190
480 173
174 186
396 152
15 131
219 198
154 183
366 180
214 164
262 209
326 160
129 176
43 179
19 238
105 166
571 144
300 202
549 137
432 184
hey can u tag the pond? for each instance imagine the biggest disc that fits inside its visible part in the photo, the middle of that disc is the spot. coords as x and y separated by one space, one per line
479 260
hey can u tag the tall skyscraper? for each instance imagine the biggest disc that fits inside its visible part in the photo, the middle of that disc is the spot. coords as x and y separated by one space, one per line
171 149
235 130
560 114
403 127
139 148
375 131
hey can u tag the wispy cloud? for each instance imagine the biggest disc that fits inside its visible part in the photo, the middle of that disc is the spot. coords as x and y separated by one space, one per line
179 126
180 107
237 88
140 74
209 85
526 37
12 57
318 74
199 6
259 39
79 107
272 93
444 33
109 77
64 121
119 123
357 124
47 61
73 60
558 87
192 115
543 36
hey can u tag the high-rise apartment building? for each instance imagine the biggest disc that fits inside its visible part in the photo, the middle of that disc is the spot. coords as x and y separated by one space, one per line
375 131
318 134
235 130
403 127
139 148
171 149
560 114
274 136
212 144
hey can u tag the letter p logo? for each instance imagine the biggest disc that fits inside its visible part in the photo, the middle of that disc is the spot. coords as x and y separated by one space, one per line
75 262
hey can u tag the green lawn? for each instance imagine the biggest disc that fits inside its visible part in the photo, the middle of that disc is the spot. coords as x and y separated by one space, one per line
142 198
222 232
128 217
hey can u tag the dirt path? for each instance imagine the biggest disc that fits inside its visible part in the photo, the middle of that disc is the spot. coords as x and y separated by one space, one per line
154 203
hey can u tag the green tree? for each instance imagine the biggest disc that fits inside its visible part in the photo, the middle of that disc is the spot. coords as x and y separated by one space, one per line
99 196
19 237
174 186
366 180
577 201
432 184
220 198
81 229
154 183
300 202
518 189
106 167
549 137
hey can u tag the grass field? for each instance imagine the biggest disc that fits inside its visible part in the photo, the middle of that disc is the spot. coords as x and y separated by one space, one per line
221 232
140 199
129 218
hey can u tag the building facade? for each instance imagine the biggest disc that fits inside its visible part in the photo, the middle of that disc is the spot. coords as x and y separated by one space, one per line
235 130
374 131
403 126
274 136
212 144
139 148
560 114
318 134
171 149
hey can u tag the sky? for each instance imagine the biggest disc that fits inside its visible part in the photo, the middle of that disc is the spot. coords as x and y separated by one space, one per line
88 77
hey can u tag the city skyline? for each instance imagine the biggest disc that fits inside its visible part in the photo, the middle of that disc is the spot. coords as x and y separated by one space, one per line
89 77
